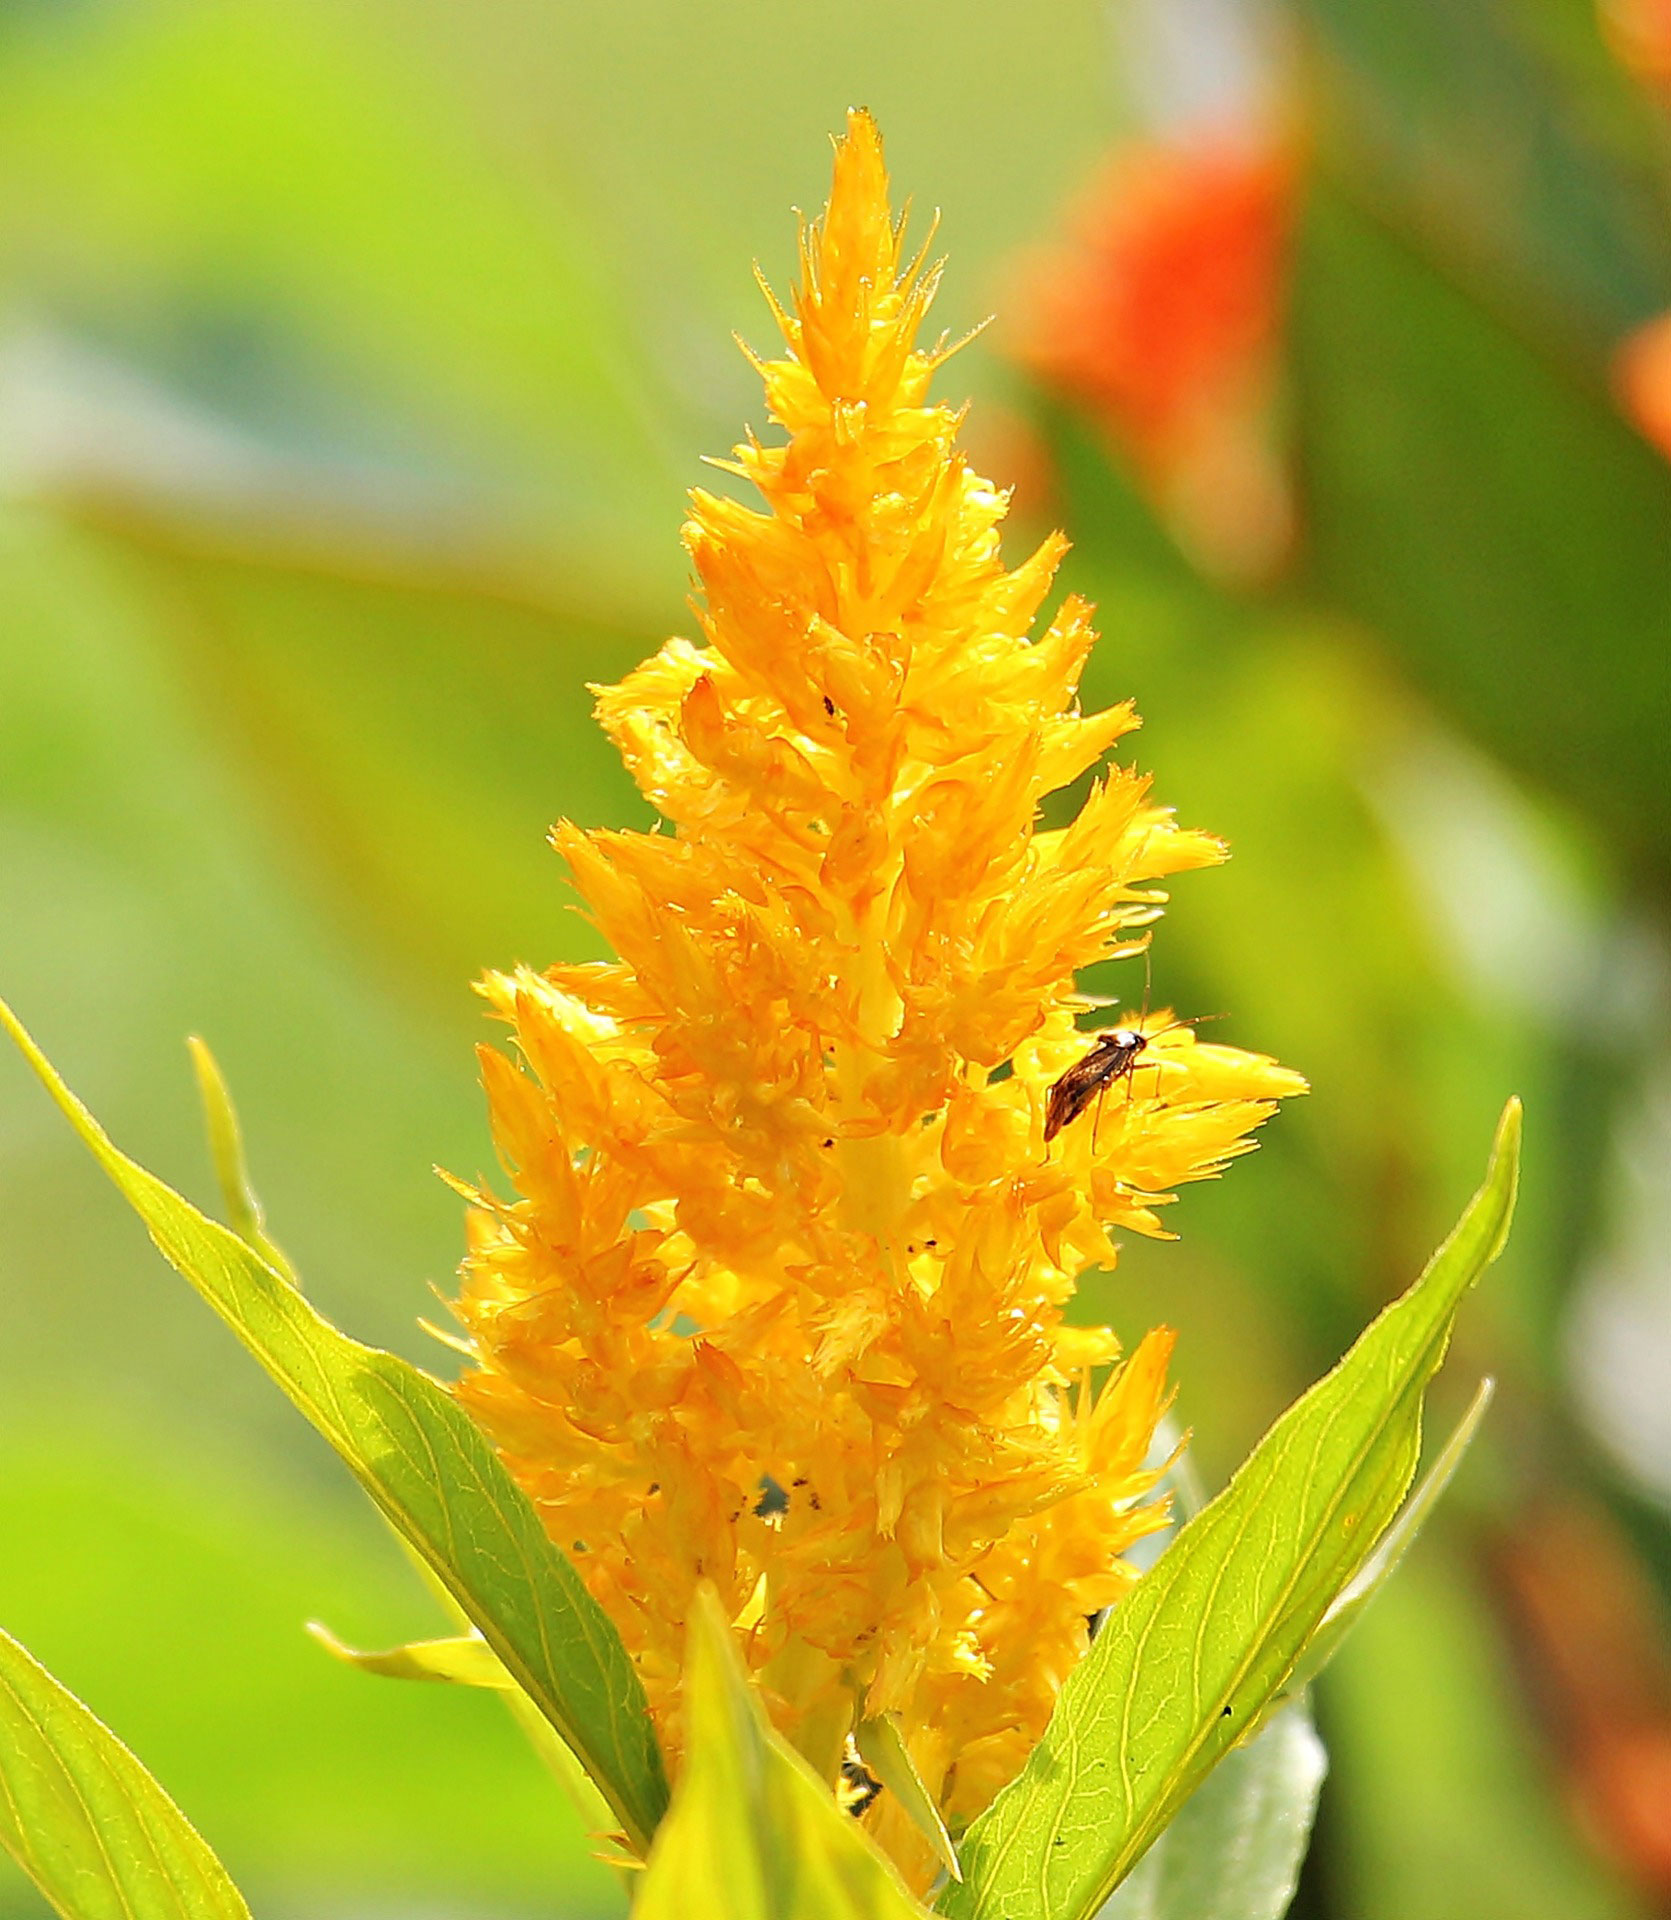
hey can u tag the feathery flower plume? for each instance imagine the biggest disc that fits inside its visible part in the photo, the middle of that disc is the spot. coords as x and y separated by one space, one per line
779 1305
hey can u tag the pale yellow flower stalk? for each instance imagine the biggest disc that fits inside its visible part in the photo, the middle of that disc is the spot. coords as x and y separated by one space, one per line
779 1305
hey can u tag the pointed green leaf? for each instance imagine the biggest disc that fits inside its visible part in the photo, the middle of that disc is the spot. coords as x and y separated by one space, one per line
226 1147
430 1471
1192 1659
753 1833
463 1660
1235 1850
83 1818
883 1750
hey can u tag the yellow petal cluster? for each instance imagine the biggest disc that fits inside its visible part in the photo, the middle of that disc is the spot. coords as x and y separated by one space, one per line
779 1302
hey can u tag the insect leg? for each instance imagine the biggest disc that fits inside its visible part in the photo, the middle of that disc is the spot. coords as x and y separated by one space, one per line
1096 1118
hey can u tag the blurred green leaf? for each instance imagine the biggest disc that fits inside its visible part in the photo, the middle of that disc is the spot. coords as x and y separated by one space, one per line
1453 1817
85 1820
1504 135
1208 1639
1235 1849
1397 1541
431 1473
1483 508
753 1833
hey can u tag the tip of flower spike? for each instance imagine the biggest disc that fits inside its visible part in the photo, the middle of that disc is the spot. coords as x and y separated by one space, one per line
855 240
863 134
852 320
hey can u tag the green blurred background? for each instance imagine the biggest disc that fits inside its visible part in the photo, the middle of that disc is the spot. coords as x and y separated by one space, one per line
353 361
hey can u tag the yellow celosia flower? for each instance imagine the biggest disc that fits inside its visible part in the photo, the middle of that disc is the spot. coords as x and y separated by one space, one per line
780 1304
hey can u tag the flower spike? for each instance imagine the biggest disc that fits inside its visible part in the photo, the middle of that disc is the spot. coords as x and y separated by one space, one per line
779 1305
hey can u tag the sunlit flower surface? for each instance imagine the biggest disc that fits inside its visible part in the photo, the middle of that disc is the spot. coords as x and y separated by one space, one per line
779 1302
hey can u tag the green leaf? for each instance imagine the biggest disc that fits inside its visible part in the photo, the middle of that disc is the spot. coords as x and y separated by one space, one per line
430 1471
84 1819
226 1147
882 1748
1235 1849
753 1833
1192 1659
463 1660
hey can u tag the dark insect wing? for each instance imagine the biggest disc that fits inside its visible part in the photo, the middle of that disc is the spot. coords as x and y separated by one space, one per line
1065 1101
1112 1055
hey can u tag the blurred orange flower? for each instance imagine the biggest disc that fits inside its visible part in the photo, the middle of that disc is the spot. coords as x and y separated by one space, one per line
1642 379
779 1304
1639 32
1162 317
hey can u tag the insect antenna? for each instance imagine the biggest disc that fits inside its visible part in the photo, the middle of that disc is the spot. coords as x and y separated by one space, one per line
1172 1026
1142 1018
1193 1020
1131 1077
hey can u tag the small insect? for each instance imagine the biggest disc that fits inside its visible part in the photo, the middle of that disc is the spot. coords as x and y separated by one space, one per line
860 1786
1112 1057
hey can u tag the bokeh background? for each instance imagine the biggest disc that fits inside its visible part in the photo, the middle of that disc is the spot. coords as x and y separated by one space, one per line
354 356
